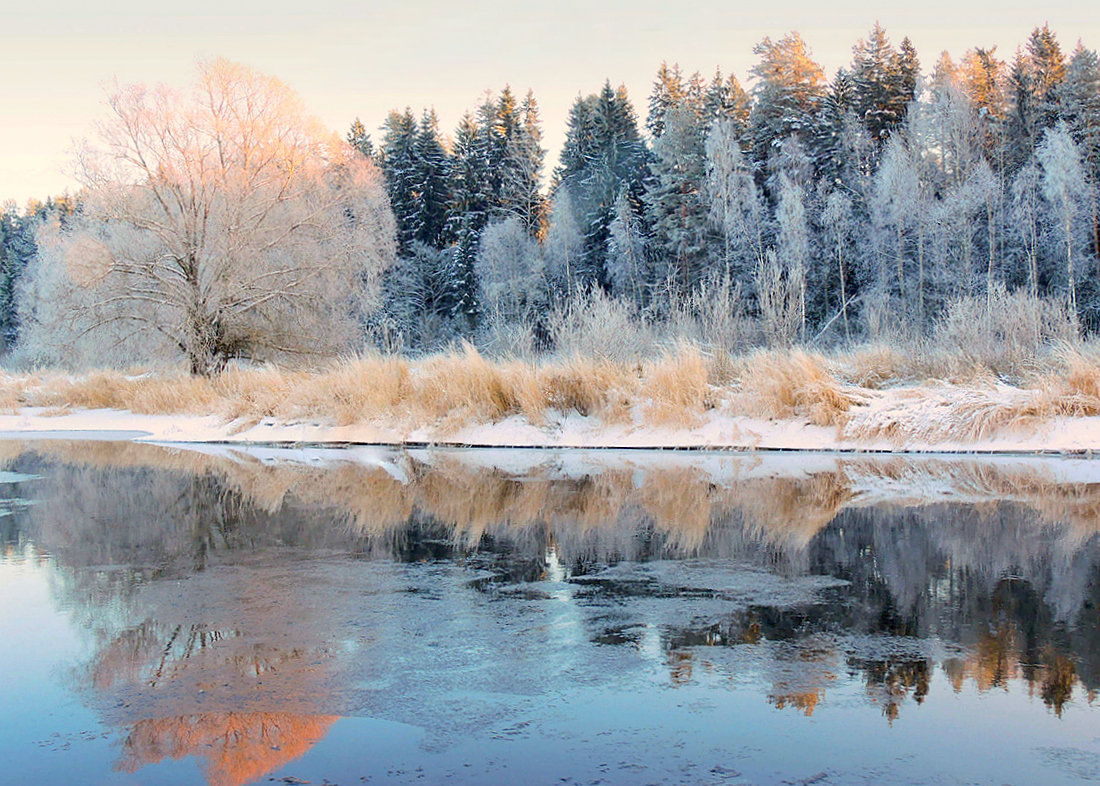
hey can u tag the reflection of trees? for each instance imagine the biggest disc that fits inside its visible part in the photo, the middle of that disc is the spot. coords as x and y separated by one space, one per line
1006 569
891 681
239 747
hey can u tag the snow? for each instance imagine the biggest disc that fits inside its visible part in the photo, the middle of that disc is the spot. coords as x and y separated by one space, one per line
717 430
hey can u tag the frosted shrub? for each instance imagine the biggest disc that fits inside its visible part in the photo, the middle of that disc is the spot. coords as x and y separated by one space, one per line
591 324
712 317
778 295
1003 330
507 339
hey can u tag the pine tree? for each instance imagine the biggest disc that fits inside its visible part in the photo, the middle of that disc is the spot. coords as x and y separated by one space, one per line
360 139
668 92
675 206
883 82
788 95
432 186
399 165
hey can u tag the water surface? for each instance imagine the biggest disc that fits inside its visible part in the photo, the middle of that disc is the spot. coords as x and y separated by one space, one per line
169 616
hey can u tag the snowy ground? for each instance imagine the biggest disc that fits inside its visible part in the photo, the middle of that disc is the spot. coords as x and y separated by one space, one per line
923 412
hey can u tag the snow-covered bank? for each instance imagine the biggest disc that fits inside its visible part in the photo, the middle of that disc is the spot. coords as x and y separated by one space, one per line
899 420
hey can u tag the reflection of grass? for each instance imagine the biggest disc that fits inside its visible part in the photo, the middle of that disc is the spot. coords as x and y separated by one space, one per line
681 502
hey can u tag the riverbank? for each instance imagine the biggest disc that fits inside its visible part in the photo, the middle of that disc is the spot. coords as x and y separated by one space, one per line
865 401
903 420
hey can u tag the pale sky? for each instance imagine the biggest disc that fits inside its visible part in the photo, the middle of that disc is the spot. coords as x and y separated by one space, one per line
362 58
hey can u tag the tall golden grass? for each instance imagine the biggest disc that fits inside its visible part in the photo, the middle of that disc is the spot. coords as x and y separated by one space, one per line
948 398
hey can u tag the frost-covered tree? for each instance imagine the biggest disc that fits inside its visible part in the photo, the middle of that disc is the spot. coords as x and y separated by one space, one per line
627 260
788 95
726 100
793 242
402 176
563 247
602 156
467 214
512 137
360 139
218 223
895 208
736 205
432 166
1080 105
1065 189
1036 76
1026 213
675 206
884 82
836 222
510 273
668 92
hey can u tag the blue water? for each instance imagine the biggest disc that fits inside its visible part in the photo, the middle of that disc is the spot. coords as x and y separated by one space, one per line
171 619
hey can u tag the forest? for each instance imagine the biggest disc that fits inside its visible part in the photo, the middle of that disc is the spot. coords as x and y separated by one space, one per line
954 204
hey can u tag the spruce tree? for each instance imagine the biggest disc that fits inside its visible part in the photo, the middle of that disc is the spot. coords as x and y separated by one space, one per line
359 139
602 157
788 94
668 91
402 173
432 165
468 214
675 204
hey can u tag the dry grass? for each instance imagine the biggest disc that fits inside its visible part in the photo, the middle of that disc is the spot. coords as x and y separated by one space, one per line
794 384
950 398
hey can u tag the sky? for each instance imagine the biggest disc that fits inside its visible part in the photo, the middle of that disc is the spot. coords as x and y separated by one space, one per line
362 58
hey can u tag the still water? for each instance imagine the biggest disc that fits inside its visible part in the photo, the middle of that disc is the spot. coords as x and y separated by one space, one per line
380 616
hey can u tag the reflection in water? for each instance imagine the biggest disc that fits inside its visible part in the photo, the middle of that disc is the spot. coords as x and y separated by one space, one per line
232 616
239 747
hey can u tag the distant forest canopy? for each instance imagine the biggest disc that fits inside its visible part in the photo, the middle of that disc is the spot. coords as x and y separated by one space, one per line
820 210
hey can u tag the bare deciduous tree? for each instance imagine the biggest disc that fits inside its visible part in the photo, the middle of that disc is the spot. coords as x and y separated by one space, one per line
220 223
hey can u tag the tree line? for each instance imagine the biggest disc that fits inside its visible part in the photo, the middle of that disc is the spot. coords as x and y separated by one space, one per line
833 208
223 223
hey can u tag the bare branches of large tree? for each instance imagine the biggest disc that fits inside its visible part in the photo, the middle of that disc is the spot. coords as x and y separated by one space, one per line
219 223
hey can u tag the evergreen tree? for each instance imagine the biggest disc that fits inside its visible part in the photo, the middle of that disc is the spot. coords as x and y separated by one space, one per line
403 176
1080 101
433 165
668 92
883 81
468 214
603 155
984 80
1036 76
788 94
360 139
726 100
675 206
